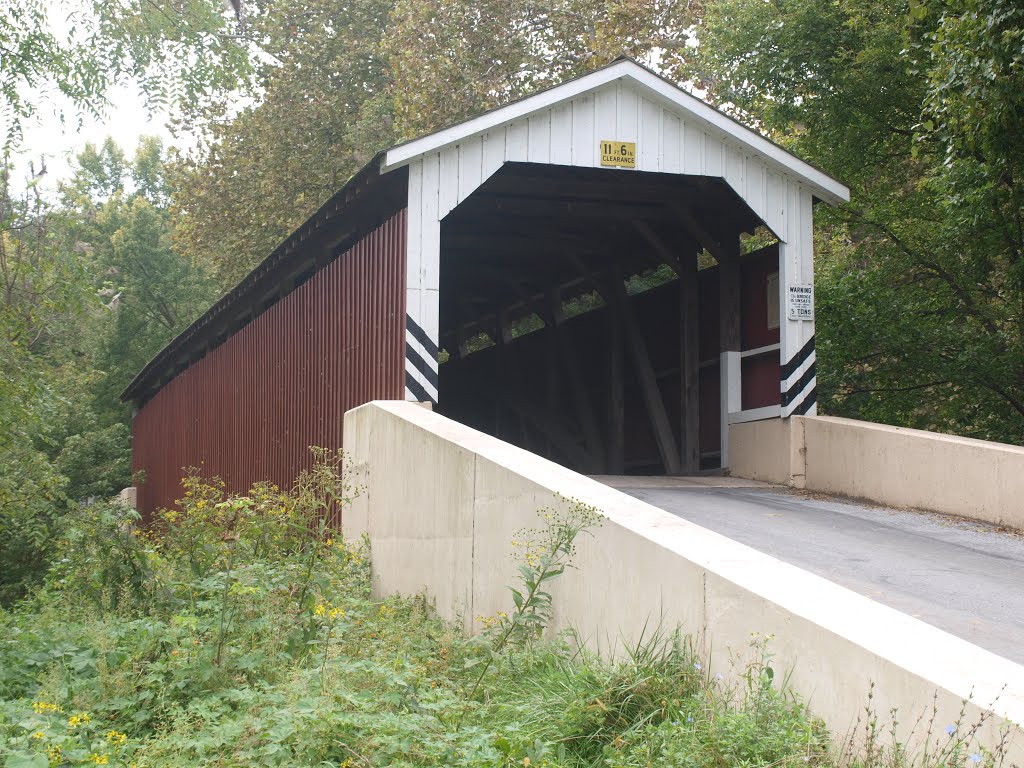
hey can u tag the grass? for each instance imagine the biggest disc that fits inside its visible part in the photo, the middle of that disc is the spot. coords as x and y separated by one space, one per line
246 634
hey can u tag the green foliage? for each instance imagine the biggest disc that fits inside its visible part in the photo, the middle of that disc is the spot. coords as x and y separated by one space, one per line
32 502
242 631
178 52
544 554
450 60
345 80
321 114
97 464
90 289
919 282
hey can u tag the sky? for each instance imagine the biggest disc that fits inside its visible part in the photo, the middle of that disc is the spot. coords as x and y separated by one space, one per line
47 139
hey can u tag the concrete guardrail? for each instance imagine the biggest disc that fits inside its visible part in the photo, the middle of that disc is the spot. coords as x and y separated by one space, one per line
442 503
894 466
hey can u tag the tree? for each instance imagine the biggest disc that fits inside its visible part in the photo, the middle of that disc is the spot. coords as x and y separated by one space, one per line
451 58
40 288
178 52
348 79
323 113
118 215
917 108
90 290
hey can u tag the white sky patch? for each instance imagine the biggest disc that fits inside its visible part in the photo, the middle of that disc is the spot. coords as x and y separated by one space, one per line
46 139
58 131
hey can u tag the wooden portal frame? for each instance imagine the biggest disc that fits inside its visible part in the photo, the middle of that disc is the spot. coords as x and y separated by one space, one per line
678 137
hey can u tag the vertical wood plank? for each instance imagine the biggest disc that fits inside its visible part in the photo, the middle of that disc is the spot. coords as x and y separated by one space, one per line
713 160
606 115
670 142
649 147
806 203
448 182
753 185
584 142
775 203
516 141
689 363
470 166
561 134
693 149
663 434
616 443
414 229
628 114
733 170
493 153
430 234
539 147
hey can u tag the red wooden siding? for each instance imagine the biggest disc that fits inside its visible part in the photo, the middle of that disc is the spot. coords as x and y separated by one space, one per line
251 407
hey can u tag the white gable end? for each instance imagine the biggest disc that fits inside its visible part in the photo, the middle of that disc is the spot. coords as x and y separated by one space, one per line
674 133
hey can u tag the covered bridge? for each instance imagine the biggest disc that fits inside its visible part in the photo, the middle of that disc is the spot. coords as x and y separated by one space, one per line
566 272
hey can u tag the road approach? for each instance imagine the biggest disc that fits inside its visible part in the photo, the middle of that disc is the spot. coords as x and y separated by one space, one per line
966 578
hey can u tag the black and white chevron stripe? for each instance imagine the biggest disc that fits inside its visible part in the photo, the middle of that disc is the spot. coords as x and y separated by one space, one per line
799 382
420 364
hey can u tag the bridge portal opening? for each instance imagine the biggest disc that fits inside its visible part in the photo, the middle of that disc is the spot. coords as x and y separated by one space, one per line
584 314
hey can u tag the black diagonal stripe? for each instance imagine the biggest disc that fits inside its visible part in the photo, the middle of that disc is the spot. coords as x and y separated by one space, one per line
791 394
417 389
421 336
805 406
798 359
421 365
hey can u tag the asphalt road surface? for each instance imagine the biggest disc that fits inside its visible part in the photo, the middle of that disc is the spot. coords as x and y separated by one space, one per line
964 577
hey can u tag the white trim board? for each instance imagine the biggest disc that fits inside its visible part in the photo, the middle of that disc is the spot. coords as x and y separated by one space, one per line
819 183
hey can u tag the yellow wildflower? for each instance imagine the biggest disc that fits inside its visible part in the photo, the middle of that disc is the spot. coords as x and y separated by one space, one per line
99 759
116 738
76 720
38 735
44 708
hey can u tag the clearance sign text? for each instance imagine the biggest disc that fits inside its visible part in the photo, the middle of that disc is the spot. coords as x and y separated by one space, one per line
618 154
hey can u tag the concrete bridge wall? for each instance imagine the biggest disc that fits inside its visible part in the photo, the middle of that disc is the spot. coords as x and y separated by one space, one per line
894 466
442 503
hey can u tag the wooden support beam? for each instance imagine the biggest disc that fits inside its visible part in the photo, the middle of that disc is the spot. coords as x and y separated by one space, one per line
507 242
539 207
648 383
729 310
729 297
689 367
504 327
599 284
606 189
577 388
616 454
707 240
488 321
666 254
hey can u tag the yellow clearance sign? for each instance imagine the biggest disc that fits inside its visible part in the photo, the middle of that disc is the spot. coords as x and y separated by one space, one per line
618 154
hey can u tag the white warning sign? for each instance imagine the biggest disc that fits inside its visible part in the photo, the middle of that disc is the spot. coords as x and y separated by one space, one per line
800 303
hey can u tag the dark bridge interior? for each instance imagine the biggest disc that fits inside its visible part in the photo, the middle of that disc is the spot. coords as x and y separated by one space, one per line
577 320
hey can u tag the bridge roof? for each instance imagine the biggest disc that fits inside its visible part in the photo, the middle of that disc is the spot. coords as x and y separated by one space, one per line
380 188
652 85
